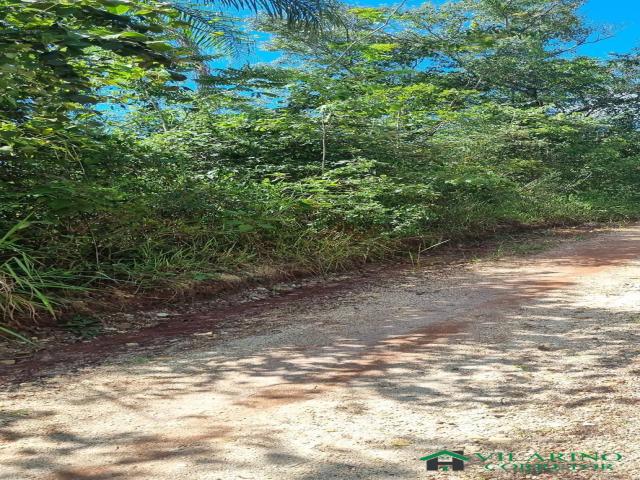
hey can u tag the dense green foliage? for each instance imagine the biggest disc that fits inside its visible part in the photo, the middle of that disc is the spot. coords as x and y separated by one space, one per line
390 128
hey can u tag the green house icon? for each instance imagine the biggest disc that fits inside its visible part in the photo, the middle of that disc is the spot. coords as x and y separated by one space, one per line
456 463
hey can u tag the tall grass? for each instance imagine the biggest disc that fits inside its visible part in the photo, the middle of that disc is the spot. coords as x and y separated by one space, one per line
25 285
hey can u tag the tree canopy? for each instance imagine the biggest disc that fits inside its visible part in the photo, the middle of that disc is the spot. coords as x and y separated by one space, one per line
377 128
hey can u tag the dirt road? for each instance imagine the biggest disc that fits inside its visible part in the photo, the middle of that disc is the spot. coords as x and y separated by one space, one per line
534 355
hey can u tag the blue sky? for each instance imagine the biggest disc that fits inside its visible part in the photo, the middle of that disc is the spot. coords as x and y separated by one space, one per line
623 16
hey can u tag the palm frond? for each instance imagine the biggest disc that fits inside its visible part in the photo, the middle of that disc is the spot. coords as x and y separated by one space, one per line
308 13
208 30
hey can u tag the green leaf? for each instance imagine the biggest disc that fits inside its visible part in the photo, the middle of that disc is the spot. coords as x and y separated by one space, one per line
159 46
119 9
133 36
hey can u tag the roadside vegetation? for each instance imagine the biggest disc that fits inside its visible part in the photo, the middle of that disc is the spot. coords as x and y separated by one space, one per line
128 160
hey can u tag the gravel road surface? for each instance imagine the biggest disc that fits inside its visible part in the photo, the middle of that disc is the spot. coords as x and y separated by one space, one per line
529 355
